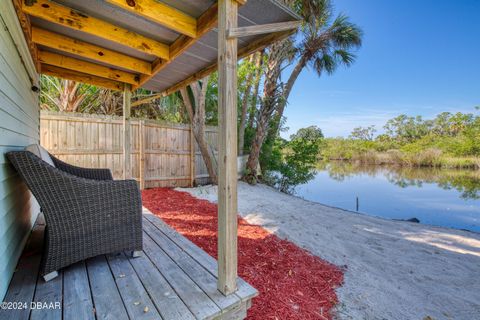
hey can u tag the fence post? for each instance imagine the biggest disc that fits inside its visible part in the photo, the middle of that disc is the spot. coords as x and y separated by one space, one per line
127 167
141 135
193 156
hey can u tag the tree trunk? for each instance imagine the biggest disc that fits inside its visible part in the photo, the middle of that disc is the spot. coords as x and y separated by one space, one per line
69 97
197 118
270 100
206 154
256 81
246 95
286 93
260 133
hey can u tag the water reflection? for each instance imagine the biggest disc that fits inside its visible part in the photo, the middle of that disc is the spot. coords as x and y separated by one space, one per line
435 196
466 182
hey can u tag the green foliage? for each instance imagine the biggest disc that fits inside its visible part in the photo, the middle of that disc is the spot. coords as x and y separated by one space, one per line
346 149
326 41
67 96
293 162
312 133
211 101
448 140
406 129
363 133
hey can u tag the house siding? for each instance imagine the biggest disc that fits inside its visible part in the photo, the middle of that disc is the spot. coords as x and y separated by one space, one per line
19 126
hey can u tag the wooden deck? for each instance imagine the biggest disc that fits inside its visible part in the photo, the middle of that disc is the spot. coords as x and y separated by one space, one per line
173 279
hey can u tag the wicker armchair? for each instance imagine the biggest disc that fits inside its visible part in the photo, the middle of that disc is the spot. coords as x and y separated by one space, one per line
87 213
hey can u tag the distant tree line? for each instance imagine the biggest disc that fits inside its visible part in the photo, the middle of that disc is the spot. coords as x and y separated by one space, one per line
449 139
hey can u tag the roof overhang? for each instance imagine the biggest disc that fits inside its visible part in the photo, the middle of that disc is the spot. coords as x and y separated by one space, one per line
160 46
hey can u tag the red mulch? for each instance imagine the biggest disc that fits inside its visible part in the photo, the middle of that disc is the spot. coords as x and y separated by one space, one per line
293 284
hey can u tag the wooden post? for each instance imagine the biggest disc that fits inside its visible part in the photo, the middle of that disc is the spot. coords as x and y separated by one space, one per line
193 156
227 156
127 97
141 137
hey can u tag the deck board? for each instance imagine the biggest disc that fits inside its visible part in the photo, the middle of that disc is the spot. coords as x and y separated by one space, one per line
190 293
205 280
77 301
104 290
245 291
134 295
173 279
47 292
168 303
23 283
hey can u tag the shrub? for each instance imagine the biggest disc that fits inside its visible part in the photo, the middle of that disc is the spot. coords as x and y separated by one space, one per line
293 162
429 157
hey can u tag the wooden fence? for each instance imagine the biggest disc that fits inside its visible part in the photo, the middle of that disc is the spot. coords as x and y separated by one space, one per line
162 155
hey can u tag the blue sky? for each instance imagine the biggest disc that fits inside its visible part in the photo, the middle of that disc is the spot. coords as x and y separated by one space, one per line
419 57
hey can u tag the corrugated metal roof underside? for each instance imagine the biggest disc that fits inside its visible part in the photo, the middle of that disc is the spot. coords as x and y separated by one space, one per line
199 56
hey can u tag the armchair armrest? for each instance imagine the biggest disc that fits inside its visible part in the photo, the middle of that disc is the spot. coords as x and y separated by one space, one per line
88 173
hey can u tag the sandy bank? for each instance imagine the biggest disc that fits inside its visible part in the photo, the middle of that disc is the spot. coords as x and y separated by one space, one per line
394 269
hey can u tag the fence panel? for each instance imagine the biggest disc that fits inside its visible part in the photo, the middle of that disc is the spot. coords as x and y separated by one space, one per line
161 154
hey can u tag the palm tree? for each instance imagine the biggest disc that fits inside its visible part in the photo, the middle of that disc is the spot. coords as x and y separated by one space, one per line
66 95
322 43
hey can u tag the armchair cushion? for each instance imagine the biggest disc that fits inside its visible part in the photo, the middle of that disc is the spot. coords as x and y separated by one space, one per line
40 152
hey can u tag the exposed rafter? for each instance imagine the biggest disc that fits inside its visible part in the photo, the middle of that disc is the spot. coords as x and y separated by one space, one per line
81 77
27 31
76 20
262 29
91 62
160 13
205 23
90 51
74 64
242 53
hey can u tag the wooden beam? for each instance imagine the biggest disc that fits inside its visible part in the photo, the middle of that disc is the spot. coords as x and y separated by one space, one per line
127 97
90 51
80 77
141 142
62 61
160 13
262 29
27 31
257 45
227 145
205 23
50 11
147 99
193 155
263 42
242 53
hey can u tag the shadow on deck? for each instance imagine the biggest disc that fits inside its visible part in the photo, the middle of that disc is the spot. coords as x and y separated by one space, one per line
173 279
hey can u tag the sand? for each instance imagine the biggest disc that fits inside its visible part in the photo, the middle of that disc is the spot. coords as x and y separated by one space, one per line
394 269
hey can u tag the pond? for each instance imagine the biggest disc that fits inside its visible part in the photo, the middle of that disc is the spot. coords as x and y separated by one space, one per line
448 198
